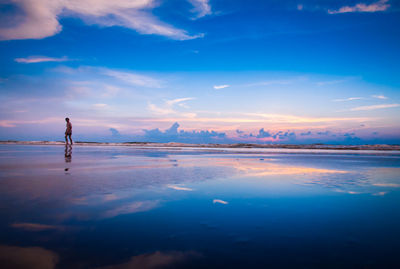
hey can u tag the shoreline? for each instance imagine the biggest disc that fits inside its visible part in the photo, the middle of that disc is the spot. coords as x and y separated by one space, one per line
379 147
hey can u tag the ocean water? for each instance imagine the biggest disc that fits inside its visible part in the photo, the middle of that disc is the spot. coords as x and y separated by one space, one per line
126 207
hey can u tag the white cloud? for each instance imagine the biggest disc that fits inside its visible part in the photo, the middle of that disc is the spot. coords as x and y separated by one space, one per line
178 100
39 19
331 82
219 87
36 19
160 110
14 123
347 99
380 5
201 8
40 59
110 91
373 107
95 75
394 185
283 118
273 82
7 123
168 107
100 105
218 201
379 97
133 78
179 188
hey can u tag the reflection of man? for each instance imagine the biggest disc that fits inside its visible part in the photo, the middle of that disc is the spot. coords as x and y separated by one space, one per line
68 131
68 154
68 157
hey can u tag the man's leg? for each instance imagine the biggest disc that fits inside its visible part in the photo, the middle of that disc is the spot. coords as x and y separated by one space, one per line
70 139
66 139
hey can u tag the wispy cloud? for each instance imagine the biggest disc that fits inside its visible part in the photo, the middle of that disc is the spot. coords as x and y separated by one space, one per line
100 105
381 193
379 97
40 19
201 8
133 78
219 87
380 5
110 81
179 188
348 99
330 82
373 107
160 110
14 123
40 59
218 201
283 118
273 82
7 123
178 100
168 107
394 185
348 192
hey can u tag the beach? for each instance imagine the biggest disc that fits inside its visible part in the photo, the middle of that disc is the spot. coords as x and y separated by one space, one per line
257 147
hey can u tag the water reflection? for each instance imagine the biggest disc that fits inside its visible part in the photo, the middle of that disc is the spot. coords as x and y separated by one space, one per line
130 208
36 227
27 257
107 186
149 209
68 157
68 153
261 168
157 259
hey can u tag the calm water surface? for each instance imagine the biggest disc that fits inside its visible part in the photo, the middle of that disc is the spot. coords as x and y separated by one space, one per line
123 207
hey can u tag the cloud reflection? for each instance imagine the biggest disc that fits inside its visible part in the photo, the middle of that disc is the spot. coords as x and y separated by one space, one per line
135 207
36 227
27 257
156 259
254 168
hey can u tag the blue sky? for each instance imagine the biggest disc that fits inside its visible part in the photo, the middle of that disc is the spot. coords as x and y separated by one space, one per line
225 71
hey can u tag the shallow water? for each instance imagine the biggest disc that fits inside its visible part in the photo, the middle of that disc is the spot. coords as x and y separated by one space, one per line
123 207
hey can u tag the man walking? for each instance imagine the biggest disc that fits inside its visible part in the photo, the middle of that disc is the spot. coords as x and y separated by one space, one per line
68 131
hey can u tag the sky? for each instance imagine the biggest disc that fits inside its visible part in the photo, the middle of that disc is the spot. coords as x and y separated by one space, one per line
201 71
